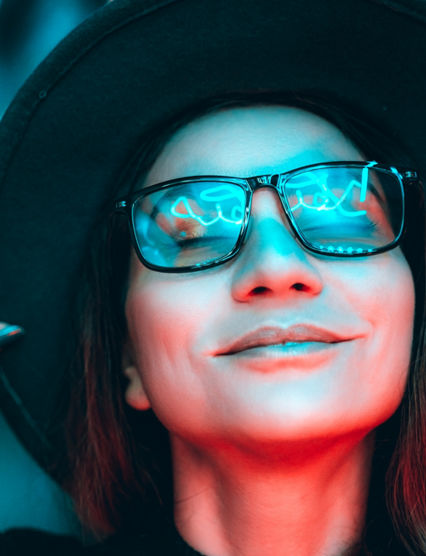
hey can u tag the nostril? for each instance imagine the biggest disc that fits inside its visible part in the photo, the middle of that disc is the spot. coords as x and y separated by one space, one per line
259 290
300 287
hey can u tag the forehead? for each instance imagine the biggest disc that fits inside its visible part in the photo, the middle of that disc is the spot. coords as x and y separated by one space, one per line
251 141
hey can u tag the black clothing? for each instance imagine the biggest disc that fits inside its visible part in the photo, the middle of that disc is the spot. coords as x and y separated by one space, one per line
29 542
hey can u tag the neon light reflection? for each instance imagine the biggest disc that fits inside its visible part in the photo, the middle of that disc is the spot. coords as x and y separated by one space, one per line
324 200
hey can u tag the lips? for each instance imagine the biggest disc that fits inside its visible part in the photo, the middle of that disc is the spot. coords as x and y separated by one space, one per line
275 335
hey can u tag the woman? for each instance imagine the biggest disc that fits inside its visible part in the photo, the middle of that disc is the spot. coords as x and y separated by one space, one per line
254 348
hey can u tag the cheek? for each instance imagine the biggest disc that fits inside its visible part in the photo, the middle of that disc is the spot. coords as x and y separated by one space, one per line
160 319
382 293
166 317
169 317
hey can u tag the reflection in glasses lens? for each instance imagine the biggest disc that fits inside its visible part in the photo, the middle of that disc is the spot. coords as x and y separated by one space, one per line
346 210
189 224
341 210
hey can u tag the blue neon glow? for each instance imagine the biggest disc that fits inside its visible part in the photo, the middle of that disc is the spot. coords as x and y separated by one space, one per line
326 196
326 200
219 193
191 214
349 250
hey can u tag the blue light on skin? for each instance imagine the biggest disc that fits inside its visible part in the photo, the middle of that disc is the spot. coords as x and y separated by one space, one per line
248 448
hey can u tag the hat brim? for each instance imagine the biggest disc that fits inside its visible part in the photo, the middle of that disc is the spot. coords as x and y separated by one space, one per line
82 114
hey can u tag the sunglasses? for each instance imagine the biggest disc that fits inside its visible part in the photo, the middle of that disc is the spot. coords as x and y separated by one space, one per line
336 209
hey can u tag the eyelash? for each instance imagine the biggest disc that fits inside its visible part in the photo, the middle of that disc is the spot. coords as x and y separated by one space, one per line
187 242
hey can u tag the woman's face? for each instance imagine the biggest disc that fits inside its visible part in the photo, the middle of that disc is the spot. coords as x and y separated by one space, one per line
179 323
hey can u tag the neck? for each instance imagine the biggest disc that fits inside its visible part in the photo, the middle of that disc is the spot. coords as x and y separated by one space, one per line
299 500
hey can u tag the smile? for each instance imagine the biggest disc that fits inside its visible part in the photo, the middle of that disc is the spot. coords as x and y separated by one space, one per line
304 356
298 347
285 349
299 338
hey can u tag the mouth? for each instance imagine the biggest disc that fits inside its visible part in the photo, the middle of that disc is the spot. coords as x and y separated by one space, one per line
280 342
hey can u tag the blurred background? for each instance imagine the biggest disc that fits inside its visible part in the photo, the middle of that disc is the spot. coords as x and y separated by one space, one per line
29 29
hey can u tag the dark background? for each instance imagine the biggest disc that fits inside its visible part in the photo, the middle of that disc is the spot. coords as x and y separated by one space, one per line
29 29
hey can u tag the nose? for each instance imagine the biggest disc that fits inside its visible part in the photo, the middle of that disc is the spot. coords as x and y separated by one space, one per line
272 263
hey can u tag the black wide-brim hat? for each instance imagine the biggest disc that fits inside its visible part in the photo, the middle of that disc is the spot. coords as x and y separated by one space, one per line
82 114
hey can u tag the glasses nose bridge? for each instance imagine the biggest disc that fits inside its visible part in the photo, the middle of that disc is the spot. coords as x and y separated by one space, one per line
269 181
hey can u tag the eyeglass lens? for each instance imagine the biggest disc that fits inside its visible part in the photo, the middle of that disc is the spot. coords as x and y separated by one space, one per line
336 210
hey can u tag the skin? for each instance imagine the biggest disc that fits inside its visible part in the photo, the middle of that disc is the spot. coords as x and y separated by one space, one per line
269 458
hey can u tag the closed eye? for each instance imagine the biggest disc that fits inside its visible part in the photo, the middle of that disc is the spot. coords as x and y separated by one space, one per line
199 241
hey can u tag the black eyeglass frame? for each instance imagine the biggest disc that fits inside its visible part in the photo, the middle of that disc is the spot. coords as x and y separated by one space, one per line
276 181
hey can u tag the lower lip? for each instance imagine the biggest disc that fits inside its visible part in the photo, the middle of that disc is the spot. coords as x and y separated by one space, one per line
297 355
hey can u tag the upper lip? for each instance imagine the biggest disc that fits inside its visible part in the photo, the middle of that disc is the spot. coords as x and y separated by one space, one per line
269 335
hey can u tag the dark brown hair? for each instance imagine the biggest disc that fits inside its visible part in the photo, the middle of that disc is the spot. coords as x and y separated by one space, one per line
120 474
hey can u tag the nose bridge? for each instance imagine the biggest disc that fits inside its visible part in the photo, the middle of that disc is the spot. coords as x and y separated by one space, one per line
273 262
270 229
